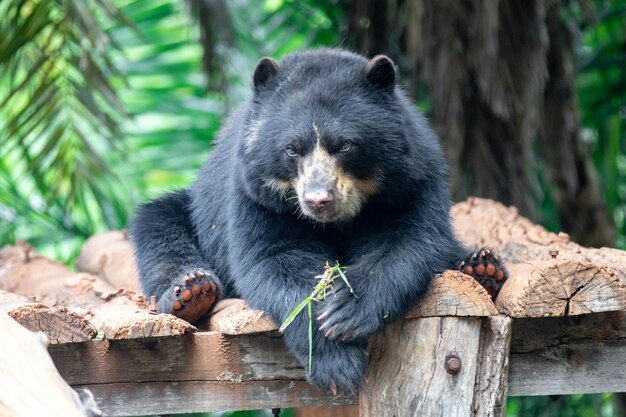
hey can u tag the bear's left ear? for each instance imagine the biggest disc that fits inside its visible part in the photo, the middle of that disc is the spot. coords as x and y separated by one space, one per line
265 70
380 71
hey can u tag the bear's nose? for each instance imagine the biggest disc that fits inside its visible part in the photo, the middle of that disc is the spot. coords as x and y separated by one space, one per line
318 199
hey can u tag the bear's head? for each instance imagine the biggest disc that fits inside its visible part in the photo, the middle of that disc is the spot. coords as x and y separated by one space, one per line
326 132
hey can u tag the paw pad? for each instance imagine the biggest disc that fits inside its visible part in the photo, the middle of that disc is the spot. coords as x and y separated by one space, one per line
487 269
194 295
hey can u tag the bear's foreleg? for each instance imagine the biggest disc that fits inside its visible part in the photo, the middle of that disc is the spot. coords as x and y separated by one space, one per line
274 267
170 263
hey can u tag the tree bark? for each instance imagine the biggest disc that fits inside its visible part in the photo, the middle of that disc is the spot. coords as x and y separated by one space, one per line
491 69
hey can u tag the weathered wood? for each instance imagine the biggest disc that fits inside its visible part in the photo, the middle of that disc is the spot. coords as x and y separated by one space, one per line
233 316
454 294
560 288
481 222
24 272
30 384
175 397
110 256
59 324
210 371
582 354
407 375
492 371
125 315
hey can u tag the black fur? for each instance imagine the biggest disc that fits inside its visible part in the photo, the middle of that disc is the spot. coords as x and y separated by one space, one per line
253 238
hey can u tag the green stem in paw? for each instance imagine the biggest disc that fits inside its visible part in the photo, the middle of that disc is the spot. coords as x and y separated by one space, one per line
319 294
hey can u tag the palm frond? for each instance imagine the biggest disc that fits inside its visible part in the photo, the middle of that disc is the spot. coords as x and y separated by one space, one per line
59 113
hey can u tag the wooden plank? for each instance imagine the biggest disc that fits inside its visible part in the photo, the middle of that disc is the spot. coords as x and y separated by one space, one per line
175 397
408 376
492 370
558 356
211 371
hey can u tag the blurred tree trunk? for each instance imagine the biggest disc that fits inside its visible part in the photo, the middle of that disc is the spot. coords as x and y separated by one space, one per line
501 83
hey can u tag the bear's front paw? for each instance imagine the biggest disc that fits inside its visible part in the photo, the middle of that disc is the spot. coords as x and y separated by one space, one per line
487 269
192 297
341 370
347 318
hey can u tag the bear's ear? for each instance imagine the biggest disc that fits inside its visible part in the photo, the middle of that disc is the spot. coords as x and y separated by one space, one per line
265 70
380 71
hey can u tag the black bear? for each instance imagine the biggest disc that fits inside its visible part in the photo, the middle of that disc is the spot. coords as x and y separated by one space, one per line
329 161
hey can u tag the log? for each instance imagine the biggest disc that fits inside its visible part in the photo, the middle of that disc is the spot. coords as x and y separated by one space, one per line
233 316
125 315
492 370
30 384
110 256
408 375
550 275
560 288
517 240
59 324
26 273
454 294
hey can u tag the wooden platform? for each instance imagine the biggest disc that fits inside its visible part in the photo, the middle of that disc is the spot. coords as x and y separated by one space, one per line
558 327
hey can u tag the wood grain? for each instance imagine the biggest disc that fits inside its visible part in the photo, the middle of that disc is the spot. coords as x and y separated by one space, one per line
492 370
110 256
407 375
560 288
558 356
454 294
59 324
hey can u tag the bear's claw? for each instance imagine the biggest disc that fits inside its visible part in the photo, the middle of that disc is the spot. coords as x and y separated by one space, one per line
487 269
193 297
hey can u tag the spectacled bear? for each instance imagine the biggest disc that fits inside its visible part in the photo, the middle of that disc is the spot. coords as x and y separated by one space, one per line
327 161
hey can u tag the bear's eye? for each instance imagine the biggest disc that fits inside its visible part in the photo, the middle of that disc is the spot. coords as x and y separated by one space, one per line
346 145
291 152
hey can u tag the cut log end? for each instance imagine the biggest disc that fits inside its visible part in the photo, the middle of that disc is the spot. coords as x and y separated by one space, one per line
561 288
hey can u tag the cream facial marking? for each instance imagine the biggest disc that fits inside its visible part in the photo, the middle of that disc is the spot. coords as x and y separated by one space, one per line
278 186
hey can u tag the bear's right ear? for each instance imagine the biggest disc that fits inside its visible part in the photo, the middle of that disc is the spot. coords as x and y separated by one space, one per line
380 71
265 70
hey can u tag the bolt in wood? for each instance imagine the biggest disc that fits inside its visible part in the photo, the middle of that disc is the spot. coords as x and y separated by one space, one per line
453 364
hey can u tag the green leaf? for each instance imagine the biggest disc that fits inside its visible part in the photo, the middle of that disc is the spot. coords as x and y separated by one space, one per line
294 314
310 337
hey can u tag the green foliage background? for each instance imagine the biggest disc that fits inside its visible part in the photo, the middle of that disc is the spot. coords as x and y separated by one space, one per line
105 103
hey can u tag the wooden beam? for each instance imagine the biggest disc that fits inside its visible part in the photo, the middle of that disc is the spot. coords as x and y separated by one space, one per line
581 354
209 370
408 373
492 370
558 356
